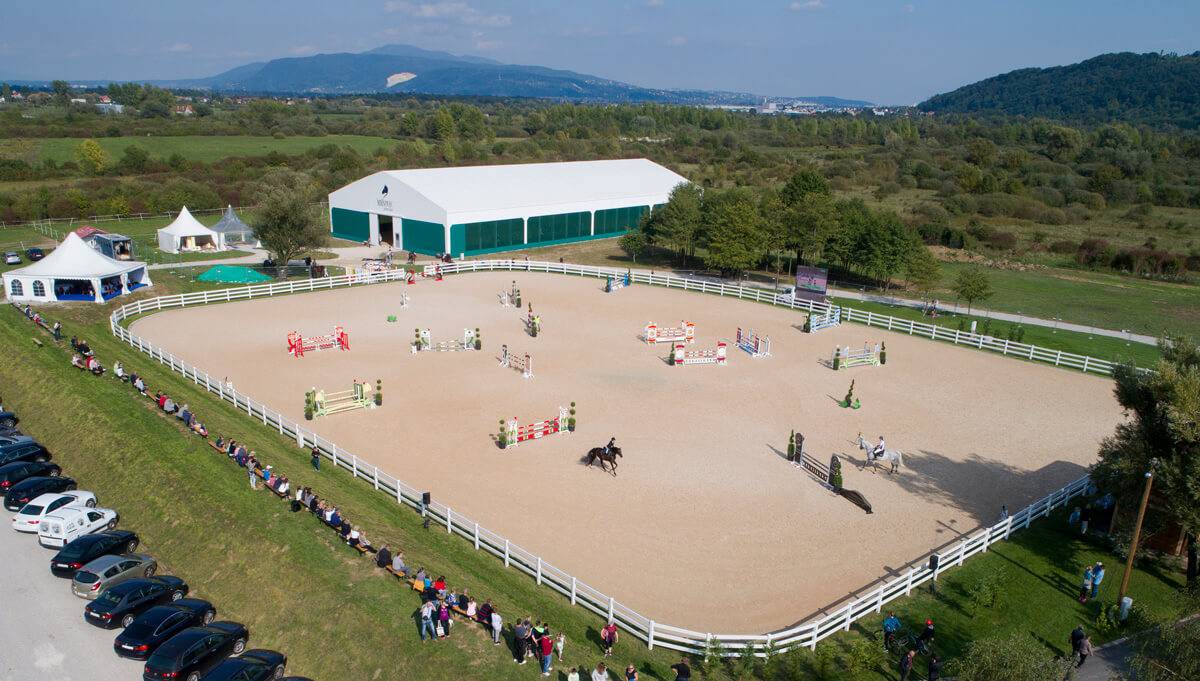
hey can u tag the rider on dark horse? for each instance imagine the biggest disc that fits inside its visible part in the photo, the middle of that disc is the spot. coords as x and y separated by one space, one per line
612 442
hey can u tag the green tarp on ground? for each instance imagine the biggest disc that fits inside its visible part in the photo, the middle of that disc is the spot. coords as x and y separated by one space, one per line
232 274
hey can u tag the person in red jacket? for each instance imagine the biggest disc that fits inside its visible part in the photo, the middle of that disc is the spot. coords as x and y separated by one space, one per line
547 651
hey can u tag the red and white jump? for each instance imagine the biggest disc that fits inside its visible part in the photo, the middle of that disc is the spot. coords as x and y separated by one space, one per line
684 356
535 431
297 345
684 333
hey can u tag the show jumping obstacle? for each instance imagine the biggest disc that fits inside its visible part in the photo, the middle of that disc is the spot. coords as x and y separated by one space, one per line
830 319
511 297
516 361
403 299
757 346
533 324
844 358
297 345
535 431
684 356
358 397
613 284
685 333
424 343
410 277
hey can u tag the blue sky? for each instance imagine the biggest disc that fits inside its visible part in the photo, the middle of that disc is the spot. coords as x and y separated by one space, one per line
889 51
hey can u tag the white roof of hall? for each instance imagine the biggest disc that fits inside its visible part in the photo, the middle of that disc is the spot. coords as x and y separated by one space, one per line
74 259
524 185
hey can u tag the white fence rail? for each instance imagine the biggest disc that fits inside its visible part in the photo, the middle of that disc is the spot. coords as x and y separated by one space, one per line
807 634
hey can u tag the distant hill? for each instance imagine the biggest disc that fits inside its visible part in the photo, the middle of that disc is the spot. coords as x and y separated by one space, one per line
1156 89
404 68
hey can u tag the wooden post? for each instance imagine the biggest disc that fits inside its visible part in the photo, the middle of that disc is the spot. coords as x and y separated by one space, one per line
1137 531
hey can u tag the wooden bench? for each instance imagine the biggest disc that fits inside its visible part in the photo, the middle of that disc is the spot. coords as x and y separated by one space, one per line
397 575
38 343
361 549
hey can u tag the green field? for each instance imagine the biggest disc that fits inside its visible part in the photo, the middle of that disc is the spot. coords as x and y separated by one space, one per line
258 562
206 148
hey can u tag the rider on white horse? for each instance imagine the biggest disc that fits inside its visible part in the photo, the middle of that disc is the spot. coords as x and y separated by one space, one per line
879 449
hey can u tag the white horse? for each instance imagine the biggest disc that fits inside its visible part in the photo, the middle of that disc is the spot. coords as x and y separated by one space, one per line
892 456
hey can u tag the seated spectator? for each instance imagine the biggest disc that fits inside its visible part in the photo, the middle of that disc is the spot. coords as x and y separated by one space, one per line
119 371
345 529
161 398
283 486
423 577
331 516
364 542
398 564
184 414
77 361
484 614
266 475
220 444
169 405
300 492
93 365
199 429
472 607
139 384
352 537
383 557
439 586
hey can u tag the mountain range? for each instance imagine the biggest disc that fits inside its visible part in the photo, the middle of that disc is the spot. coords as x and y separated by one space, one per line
408 69
1152 88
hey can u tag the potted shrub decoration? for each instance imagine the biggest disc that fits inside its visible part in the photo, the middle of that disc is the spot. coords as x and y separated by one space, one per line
791 448
309 407
883 353
835 472
478 340
379 392
571 419
808 325
503 437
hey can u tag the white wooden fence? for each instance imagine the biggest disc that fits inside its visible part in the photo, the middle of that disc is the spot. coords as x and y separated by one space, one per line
840 616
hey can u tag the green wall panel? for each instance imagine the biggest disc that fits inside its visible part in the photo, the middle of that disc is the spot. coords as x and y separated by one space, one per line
615 220
486 237
351 225
426 238
559 228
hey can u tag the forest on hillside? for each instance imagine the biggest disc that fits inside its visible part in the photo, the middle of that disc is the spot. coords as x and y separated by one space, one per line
1154 89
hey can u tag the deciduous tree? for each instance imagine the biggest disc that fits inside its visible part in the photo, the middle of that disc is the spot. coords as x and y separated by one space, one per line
91 157
971 285
286 222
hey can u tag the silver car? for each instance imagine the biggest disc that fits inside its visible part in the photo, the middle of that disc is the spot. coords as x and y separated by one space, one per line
105 571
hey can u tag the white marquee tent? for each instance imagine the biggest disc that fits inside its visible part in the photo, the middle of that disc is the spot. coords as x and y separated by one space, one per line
75 271
187 234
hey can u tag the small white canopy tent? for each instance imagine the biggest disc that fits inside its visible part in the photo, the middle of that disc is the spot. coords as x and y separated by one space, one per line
187 234
75 271
234 230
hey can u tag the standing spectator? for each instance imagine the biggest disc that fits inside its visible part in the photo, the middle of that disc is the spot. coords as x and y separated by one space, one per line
497 623
520 641
891 625
925 640
600 673
573 675
935 668
682 671
1077 636
1085 587
1003 513
559 643
608 636
316 459
250 472
1085 516
1085 649
1075 515
444 618
427 621
547 651
906 664
631 673
1097 577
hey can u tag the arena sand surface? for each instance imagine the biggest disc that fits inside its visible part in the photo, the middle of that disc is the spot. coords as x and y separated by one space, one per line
706 525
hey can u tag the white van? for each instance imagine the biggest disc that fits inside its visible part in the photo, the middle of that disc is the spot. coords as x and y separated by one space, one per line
69 523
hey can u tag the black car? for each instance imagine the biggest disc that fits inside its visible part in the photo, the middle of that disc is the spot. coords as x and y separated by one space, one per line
8 420
31 488
12 473
34 254
186 656
158 624
89 547
252 665
24 448
121 604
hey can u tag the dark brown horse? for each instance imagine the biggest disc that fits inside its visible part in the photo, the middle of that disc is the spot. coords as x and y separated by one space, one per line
610 456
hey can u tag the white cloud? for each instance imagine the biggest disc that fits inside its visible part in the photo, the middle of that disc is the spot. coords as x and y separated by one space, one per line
449 10
677 41
654 3
909 8
302 50
180 47
806 5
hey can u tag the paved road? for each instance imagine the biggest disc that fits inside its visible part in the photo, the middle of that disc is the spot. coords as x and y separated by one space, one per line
42 630
1107 662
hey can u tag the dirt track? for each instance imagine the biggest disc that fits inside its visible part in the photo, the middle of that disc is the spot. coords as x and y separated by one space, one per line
707 526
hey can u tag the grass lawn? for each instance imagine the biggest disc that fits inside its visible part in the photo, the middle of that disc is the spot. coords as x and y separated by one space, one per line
206 148
301 591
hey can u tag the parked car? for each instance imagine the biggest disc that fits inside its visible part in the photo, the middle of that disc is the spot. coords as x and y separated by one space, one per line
25 449
158 624
252 665
107 571
31 515
34 254
31 488
119 605
69 523
192 652
8 420
11 258
12 473
90 547
13 438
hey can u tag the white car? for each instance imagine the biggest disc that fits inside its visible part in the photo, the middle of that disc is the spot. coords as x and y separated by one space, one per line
11 258
69 523
30 516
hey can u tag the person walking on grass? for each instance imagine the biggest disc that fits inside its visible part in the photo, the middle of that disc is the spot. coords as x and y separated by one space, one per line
608 636
497 623
1085 587
1097 577
250 471
1085 649
316 459
906 664
427 621
1077 637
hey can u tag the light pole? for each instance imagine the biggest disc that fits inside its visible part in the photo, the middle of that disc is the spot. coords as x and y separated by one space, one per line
1137 530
